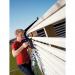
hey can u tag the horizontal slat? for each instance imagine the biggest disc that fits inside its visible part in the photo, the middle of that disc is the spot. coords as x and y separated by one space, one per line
58 41
58 28
60 24
61 35
63 32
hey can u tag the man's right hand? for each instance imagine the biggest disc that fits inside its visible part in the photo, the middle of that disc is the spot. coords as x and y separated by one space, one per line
24 45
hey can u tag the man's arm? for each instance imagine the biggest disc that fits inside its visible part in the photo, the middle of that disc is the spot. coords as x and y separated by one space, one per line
16 52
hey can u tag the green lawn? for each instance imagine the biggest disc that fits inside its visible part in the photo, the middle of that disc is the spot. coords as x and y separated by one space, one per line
15 71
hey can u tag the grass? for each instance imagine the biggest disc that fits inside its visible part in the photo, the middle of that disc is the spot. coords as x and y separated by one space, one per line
14 70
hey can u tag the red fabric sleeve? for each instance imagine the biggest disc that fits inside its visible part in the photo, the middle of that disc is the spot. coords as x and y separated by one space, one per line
14 46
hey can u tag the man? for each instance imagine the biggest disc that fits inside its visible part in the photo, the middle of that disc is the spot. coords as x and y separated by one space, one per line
19 50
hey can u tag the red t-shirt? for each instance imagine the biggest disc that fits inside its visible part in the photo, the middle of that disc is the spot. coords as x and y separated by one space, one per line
23 56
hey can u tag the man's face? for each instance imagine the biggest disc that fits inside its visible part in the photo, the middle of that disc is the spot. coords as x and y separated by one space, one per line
20 36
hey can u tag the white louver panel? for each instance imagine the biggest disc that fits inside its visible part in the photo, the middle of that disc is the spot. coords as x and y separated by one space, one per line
60 29
52 40
53 59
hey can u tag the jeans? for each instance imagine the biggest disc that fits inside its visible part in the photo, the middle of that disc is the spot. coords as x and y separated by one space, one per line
26 69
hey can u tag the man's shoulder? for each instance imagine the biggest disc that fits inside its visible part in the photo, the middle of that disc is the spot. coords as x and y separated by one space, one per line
14 43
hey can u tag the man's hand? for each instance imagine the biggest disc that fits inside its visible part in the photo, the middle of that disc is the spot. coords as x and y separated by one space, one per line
24 45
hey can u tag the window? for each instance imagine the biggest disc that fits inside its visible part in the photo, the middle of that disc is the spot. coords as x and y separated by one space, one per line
41 33
60 28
